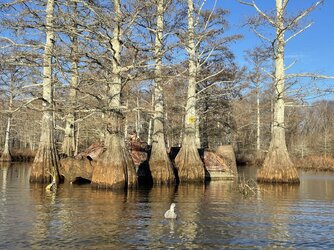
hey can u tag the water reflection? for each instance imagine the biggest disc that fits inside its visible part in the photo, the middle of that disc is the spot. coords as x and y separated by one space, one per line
4 172
3 175
279 231
209 216
324 188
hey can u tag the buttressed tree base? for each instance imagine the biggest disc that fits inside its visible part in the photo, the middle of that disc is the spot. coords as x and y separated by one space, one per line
189 164
278 168
115 168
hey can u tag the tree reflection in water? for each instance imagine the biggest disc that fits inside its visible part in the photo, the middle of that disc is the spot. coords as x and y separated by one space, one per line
214 215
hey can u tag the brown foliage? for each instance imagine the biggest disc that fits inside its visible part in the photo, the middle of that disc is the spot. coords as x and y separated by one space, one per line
22 155
6 158
316 162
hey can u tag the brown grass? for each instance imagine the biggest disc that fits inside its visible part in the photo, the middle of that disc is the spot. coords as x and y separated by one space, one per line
316 162
22 155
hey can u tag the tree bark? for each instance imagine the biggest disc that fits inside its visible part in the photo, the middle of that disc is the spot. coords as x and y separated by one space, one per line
138 125
188 162
46 163
277 166
69 143
258 115
150 124
115 169
160 165
6 155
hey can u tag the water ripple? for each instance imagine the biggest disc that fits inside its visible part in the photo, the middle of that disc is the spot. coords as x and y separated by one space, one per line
210 217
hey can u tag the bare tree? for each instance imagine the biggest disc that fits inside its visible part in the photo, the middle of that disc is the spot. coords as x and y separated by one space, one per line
257 79
115 169
46 163
69 143
160 164
277 166
6 155
188 162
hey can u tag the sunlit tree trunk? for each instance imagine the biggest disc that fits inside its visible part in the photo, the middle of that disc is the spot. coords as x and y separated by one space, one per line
258 118
126 120
150 124
138 126
115 169
188 162
69 143
277 166
6 155
160 164
46 162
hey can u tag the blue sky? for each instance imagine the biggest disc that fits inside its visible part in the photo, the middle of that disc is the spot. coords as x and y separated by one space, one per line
313 49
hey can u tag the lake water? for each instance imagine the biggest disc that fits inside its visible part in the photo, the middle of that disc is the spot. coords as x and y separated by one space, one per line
212 216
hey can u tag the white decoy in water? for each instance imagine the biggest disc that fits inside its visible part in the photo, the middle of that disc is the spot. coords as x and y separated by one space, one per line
170 214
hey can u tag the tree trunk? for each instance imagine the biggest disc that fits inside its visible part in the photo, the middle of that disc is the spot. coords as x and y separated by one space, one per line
160 164
46 162
69 143
188 162
197 134
150 124
138 125
6 156
115 169
126 121
258 118
277 166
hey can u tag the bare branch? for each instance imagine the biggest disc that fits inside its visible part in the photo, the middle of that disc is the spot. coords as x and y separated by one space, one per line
211 85
270 20
261 36
309 75
293 63
298 32
210 76
303 14
21 106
